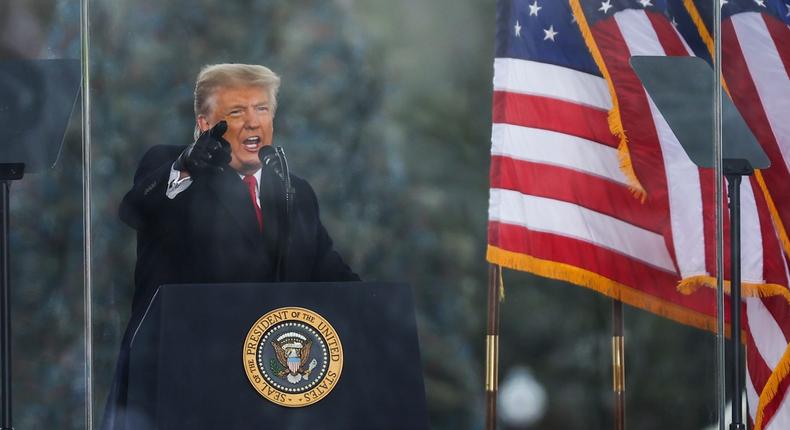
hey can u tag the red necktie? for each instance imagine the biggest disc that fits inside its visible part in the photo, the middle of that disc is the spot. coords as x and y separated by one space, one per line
251 183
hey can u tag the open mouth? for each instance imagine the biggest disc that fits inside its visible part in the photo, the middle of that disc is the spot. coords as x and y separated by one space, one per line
252 143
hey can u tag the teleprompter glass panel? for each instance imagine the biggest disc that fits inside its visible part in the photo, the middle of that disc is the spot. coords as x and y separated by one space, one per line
40 115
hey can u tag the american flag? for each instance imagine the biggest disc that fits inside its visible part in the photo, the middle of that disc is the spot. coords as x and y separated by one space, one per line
589 184
755 62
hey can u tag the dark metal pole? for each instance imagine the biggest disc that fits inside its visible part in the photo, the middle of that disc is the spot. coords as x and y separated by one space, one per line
618 365
734 186
5 308
492 346
8 173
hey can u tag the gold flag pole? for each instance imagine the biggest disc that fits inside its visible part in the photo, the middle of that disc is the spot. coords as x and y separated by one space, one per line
618 365
492 344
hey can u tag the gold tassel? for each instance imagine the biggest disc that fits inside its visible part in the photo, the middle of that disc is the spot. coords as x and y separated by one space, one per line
610 288
696 18
615 121
688 286
501 285
748 289
777 220
601 284
691 8
771 387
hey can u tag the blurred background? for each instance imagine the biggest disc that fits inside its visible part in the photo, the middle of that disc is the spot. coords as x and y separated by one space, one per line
385 107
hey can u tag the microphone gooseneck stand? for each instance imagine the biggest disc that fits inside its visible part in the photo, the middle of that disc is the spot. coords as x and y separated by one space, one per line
289 197
274 158
8 172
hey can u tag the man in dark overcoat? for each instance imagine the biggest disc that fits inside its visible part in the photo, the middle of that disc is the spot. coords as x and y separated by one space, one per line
209 212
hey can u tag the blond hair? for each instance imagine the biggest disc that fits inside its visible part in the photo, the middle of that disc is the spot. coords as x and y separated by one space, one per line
214 76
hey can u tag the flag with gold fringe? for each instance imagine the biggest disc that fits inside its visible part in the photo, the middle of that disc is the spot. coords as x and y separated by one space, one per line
589 185
755 66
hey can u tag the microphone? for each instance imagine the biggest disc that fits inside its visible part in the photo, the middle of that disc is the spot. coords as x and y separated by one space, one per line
271 158
274 159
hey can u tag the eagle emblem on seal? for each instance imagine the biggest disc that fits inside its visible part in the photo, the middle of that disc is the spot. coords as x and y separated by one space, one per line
293 352
293 357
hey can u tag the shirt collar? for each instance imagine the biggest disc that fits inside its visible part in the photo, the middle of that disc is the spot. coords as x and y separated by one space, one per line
257 175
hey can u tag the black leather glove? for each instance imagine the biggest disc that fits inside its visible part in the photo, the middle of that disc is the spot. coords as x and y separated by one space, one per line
208 154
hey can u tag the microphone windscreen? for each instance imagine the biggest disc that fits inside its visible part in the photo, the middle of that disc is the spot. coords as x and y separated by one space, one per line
267 153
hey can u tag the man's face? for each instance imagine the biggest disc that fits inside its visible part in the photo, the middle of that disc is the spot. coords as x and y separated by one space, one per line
249 115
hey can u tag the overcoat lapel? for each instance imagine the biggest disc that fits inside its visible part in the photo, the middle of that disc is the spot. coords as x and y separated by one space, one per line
233 196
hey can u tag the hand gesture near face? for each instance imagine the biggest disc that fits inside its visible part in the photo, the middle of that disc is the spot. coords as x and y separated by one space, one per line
210 153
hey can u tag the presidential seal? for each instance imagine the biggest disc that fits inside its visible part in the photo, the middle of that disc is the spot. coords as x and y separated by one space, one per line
293 357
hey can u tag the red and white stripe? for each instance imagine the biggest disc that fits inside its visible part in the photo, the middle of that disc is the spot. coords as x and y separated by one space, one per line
550 131
767 70
756 61
674 182
558 194
687 198
557 190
